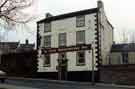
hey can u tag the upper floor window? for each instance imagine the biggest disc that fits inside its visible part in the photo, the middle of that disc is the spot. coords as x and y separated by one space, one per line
47 41
80 21
41 26
80 58
80 37
47 61
62 39
47 27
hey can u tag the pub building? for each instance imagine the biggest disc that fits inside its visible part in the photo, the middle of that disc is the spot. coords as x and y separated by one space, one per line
65 44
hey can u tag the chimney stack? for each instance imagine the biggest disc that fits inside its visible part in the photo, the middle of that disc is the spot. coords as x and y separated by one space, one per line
48 15
100 4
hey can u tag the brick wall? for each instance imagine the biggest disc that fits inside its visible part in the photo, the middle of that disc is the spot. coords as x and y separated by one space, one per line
118 74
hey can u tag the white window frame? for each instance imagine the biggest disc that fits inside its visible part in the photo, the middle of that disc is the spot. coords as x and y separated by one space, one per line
78 37
62 39
47 42
46 58
47 27
78 58
80 21
41 27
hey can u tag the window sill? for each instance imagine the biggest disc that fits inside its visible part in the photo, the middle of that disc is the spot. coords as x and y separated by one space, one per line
80 43
48 47
47 65
80 64
77 26
62 46
47 31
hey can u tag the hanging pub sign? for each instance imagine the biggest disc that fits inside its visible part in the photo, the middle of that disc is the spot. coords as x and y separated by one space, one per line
66 49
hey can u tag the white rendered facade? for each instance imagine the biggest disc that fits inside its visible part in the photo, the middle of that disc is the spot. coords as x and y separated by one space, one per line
100 39
68 26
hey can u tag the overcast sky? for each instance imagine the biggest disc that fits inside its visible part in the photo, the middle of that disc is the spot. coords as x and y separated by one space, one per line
119 12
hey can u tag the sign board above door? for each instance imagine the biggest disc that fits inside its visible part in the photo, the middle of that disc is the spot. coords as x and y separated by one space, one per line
66 49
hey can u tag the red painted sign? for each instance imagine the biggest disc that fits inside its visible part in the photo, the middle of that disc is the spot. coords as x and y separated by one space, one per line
67 49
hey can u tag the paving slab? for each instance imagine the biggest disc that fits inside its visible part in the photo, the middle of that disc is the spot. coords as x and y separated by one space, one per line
7 86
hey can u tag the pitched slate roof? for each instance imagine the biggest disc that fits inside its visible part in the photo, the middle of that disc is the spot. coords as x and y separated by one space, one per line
72 14
8 45
129 47
26 46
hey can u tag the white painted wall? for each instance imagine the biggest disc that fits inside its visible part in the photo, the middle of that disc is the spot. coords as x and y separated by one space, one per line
52 68
69 26
106 36
72 62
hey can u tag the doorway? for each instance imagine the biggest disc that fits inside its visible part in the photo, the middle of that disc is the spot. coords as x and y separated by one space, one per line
62 64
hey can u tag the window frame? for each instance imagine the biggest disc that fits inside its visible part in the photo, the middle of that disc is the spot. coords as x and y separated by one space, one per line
77 58
47 26
44 63
59 40
41 27
79 42
78 21
47 42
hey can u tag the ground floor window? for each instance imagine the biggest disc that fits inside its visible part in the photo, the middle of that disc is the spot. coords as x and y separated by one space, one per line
47 61
80 58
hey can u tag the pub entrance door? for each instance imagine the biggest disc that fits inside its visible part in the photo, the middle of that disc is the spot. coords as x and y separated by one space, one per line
62 66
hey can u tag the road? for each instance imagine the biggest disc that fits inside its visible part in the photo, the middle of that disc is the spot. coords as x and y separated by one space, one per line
43 84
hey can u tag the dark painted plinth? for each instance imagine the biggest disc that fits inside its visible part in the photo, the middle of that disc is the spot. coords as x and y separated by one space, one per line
82 76
118 74
71 76
47 75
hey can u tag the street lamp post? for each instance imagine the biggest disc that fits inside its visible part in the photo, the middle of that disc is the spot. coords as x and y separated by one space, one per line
93 64
59 68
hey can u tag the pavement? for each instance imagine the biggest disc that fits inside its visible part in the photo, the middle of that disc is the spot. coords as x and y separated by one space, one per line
7 86
29 83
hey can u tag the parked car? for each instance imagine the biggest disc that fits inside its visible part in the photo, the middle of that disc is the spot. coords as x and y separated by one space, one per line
3 76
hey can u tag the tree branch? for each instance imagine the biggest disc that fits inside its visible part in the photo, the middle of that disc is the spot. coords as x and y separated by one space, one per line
2 5
11 11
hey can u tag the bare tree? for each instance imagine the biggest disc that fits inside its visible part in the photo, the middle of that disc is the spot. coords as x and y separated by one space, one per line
132 37
12 11
124 36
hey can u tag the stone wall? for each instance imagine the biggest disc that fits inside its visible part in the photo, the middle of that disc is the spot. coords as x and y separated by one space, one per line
118 74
